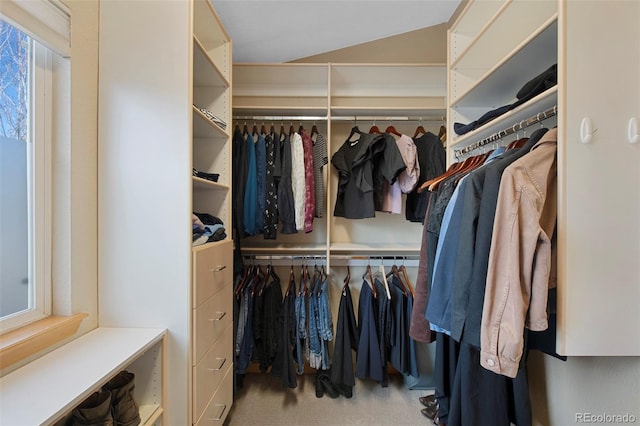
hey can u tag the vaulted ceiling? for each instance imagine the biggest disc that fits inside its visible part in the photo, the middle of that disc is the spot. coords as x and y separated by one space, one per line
285 30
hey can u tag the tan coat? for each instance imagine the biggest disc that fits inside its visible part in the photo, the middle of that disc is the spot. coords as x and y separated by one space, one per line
520 260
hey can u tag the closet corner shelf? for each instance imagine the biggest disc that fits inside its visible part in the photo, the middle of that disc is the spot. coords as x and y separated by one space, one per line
206 73
532 57
199 183
205 128
536 105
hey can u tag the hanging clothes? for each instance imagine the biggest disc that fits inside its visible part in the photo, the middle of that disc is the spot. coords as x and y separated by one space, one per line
325 319
419 327
320 159
438 311
476 228
251 188
286 207
369 361
261 181
432 159
346 344
298 182
309 182
287 322
270 228
302 343
240 167
525 220
357 184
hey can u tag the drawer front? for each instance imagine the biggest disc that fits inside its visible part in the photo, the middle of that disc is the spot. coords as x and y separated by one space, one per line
220 404
209 372
211 319
212 270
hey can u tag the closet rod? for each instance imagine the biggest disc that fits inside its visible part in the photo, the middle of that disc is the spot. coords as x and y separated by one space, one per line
280 118
439 118
338 118
337 260
539 117
333 256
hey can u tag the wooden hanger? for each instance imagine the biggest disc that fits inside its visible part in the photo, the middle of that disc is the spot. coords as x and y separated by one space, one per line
369 274
419 130
451 170
395 273
442 133
292 282
265 281
259 277
263 129
272 130
347 278
245 277
291 130
393 131
407 280
254 130
300 129
282 132
314 130
374 129
518 143
245 130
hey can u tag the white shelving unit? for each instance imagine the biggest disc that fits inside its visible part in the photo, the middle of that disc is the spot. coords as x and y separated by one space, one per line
150 114
57 382
337 96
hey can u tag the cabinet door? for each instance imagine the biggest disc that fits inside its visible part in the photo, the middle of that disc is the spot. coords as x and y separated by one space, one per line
599 214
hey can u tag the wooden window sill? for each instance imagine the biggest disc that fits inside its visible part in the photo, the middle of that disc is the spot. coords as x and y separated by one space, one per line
26 341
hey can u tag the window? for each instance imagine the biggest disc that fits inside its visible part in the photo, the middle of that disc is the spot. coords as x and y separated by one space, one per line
25 178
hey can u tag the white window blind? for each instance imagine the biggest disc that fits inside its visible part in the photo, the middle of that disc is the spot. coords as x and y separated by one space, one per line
48 21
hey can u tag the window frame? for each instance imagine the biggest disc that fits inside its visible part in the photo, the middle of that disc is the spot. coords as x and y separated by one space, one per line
39 172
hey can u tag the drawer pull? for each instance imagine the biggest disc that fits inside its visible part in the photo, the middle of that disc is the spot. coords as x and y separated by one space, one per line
222 315
217 419
221 364
219 268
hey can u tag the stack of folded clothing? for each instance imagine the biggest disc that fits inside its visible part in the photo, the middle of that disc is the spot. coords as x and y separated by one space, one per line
531 89
204 175
206 228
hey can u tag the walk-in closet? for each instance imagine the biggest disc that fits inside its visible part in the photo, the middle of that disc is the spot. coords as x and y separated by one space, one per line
436 223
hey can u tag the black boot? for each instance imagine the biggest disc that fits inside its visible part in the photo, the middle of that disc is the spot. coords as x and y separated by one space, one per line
319 388
125 408
94 411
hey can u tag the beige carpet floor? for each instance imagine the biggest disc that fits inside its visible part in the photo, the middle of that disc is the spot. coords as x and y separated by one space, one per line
263 401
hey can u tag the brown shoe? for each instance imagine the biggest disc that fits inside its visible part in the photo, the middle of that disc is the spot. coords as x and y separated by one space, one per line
428 401
430 412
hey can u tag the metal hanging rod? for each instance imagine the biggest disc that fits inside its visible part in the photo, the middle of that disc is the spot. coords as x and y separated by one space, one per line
323 256
280 118
336 260
539 117
338 118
